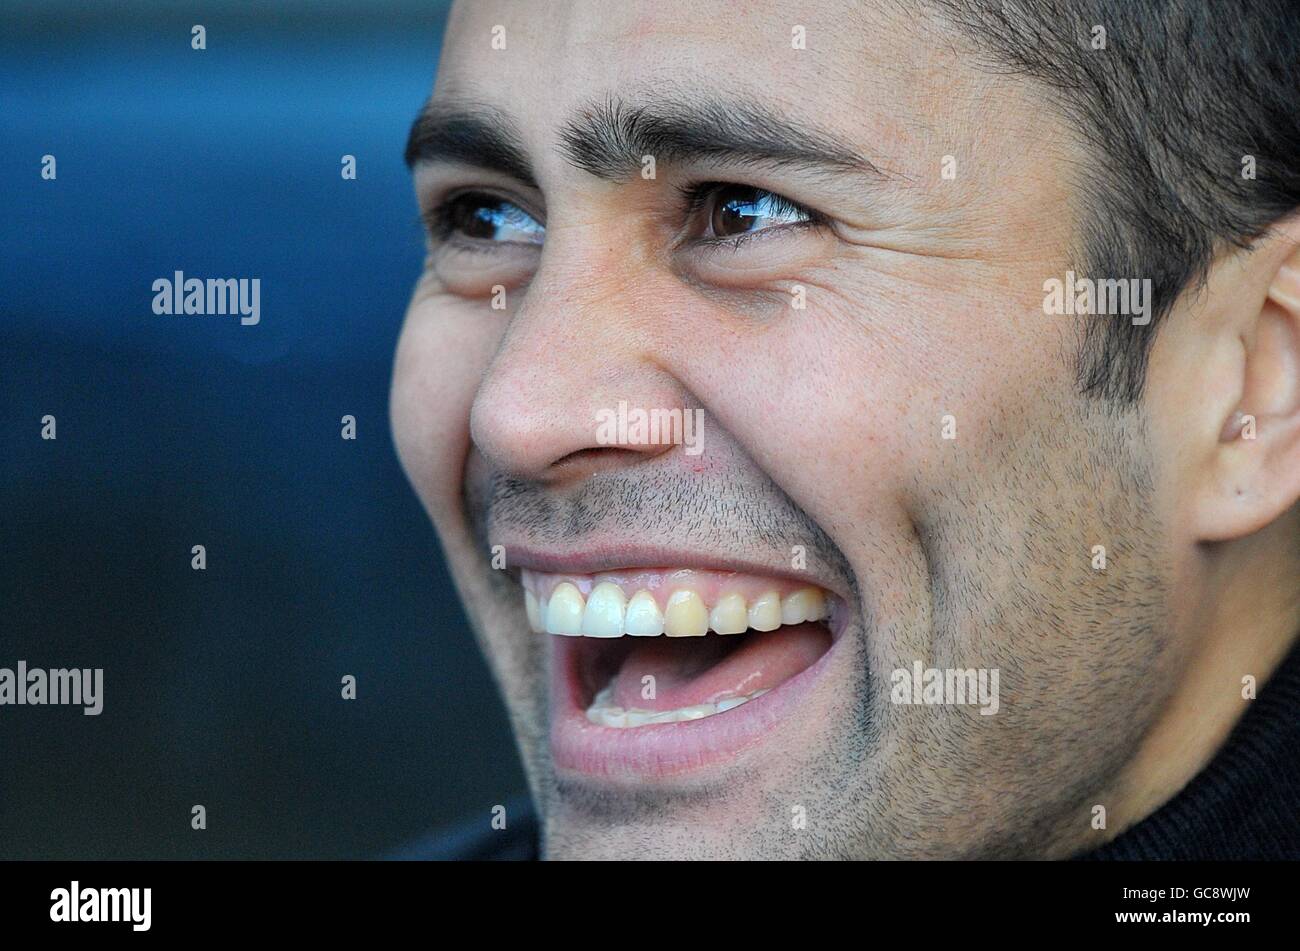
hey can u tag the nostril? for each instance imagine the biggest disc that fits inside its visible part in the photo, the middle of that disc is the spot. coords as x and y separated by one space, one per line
589 461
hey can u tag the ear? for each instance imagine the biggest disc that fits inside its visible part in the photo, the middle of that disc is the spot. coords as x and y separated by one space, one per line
1251 473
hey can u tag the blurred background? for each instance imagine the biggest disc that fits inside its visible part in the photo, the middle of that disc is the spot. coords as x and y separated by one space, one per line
222 687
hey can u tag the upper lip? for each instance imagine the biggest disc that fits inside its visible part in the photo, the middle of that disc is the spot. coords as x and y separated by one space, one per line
593 559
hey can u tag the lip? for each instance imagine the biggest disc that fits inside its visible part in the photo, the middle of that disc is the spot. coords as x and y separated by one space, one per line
670 750
594 560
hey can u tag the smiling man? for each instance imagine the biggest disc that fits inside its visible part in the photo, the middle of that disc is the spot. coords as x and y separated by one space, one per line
946 570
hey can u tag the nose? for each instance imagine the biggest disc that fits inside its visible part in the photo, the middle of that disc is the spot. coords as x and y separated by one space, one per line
580 343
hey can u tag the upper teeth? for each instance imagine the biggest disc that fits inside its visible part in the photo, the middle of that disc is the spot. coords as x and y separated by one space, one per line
607 612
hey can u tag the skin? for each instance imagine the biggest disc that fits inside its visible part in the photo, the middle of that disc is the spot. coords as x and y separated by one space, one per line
823 429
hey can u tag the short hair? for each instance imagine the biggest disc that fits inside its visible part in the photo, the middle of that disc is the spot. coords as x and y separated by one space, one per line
1182 99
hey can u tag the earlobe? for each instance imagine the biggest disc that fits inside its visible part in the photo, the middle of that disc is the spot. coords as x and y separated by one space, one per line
1254 471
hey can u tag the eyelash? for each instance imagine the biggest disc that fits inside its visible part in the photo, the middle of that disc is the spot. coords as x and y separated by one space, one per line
438 232
436 221
693 198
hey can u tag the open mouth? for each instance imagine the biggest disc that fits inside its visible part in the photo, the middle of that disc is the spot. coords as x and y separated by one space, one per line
649 647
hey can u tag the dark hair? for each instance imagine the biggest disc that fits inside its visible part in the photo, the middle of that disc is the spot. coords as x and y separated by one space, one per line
1170 108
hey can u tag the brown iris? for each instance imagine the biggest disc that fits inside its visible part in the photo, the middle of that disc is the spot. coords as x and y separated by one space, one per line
740 209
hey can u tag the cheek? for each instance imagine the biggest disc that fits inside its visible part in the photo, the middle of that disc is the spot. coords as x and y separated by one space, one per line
442 354
821 400
867 407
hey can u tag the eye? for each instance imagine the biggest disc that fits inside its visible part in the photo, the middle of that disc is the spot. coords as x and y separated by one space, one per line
735 210
475 216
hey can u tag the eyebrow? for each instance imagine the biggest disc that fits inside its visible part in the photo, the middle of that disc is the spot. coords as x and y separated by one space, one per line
610 139
470 134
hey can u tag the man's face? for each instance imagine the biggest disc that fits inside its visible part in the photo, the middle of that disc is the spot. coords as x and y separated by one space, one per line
835 250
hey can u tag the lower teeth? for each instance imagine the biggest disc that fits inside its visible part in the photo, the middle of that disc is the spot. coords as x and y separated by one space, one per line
602 711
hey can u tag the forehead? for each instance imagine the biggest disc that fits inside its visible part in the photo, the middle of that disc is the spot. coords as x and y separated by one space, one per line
978 164
892 83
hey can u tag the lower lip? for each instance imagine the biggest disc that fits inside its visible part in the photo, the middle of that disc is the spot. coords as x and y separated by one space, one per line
665 750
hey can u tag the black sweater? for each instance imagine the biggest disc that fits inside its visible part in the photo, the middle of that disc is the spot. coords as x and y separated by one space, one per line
1246 803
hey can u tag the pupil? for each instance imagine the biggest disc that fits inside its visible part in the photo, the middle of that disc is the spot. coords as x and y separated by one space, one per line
476 219
735 212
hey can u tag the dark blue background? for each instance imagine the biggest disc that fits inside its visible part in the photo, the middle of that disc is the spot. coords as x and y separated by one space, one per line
222 687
